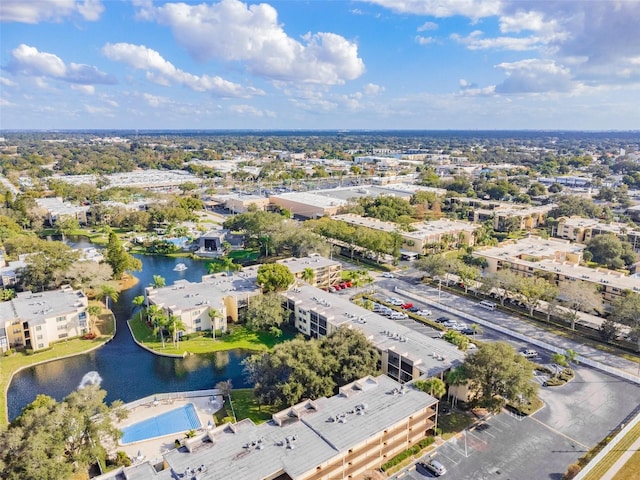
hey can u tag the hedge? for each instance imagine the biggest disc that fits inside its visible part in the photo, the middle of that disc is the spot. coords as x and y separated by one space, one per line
416 449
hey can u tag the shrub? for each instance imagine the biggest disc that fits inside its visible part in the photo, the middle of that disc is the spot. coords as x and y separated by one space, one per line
122 459
572 471
422 444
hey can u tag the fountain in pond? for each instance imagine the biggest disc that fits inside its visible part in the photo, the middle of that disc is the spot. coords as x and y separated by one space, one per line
90 378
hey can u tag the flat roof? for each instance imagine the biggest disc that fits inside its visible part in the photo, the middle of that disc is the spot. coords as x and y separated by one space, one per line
531 246
245 451
429 355
297 265
37 307
312 199
421 229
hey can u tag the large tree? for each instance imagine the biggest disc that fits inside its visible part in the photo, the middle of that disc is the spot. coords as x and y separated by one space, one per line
274 277
607 249
265 312
533 290
54 440
351 355
119 259
579 297
626 310
497 375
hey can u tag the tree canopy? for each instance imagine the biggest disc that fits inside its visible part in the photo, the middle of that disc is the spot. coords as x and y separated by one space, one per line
300 369
119 259
607 249
53 440
265 312
498 374
274 277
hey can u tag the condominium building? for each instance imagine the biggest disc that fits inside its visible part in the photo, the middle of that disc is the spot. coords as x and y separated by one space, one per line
57 209
219 297
420 234
405 353
362 427
37 320
579 229
559 261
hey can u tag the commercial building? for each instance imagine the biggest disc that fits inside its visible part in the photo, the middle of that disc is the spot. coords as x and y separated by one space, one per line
307 204
154 180
420 234
365 425
405 353
559 261
36 320
240 203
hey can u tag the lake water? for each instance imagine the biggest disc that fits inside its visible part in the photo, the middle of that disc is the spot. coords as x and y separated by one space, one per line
125 370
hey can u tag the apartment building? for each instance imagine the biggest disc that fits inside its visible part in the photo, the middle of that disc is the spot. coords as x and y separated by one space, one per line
365 425
579 229
57 209
503 215
36 320
405 353
421 234
559 261
219 297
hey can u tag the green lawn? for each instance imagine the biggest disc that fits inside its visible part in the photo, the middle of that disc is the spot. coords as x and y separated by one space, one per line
244 406
454 422
248 255
239 337
10 365
630 468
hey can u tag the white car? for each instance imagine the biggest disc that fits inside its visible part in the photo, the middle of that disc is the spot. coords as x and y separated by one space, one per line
424 313
387 275
528 353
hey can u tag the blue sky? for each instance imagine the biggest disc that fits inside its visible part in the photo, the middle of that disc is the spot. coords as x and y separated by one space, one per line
316 64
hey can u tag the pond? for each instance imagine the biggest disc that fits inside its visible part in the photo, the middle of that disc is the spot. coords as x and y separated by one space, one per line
125 370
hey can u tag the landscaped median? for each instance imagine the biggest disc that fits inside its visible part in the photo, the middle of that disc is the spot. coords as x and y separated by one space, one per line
14 362
237 337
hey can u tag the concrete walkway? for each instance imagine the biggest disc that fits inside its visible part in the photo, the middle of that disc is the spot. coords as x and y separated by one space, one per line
620 463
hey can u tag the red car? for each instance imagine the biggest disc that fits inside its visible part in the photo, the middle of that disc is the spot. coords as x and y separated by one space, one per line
407 306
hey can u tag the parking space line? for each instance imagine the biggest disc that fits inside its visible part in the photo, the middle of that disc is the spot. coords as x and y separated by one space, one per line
479 438
451 459
561 434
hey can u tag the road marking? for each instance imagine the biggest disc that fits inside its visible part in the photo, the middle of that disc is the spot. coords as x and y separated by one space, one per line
587 448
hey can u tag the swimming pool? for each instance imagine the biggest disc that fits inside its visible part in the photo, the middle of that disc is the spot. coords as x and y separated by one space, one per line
178 420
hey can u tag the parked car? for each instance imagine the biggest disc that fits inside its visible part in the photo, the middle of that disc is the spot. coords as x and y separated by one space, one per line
529 353
424 313
434 466
407 305
442 319
396 301
467 331
387 275
450 324
414 309
399 315
460 326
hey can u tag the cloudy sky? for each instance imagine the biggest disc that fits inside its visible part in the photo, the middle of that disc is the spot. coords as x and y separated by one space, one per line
320 64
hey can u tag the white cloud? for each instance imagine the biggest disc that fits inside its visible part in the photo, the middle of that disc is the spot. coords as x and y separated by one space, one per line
424 40
165 73
372 89
534 76
474 41
155 100
251 111
427 26
236 32
88 89
474 9
29 61
7 83
36 11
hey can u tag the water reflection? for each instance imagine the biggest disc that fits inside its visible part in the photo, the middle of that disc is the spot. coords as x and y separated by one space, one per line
129 372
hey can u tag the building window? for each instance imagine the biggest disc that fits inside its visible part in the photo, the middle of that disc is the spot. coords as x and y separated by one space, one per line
41 345
61 319
198 320
38 328
198 329
63 335
39 337
62 327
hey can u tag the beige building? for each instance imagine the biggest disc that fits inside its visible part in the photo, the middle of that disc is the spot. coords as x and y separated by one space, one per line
57 209
579 229
240 203
364 426
37 320
405 353
422 234
307 204
559 261
326 272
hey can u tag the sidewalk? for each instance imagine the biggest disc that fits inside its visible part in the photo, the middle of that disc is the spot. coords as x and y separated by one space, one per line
615 468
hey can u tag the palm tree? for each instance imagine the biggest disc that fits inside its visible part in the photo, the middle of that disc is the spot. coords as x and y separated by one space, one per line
107 292
456 377
176 325
308 274
158 281
559 360
433 386
158 320
571 357
93 311
477 329
213 314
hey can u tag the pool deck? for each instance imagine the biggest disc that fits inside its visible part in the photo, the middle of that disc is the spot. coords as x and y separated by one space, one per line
155 405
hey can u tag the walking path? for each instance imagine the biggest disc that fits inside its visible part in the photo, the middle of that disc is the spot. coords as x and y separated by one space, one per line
615 468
